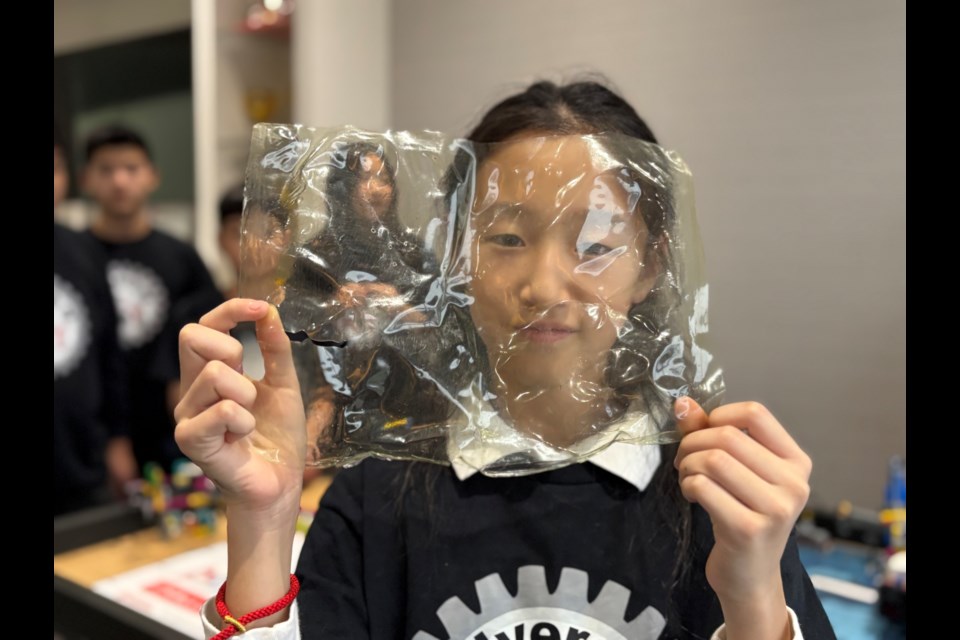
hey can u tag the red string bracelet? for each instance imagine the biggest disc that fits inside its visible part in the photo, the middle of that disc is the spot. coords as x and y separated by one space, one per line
235 625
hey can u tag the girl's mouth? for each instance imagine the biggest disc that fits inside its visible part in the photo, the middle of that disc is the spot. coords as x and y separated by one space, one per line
546 332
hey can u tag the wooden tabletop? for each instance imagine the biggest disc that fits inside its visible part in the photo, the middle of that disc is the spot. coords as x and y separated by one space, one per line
87 565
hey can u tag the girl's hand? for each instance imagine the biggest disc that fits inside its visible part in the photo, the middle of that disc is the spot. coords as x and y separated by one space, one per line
751 477
223 416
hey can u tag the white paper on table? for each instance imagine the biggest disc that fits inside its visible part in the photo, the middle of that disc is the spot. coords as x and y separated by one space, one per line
173 590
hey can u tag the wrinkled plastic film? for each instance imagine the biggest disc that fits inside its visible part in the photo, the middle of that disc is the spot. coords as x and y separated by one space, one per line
514 307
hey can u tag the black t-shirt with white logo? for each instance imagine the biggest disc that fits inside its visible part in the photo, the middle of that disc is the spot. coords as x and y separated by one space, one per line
159 284
408 551
88 378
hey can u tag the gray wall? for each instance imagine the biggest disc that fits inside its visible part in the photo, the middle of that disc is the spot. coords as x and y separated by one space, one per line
793 119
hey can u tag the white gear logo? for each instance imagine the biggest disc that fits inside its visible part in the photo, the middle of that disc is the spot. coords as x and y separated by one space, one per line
141 300
71 327
534 612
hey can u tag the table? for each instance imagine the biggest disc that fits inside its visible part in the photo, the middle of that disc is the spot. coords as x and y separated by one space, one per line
81 613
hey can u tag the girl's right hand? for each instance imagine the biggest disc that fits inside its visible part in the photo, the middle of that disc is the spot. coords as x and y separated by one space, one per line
224 417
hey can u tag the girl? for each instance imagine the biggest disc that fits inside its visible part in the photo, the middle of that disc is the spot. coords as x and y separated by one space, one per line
362 268
624 545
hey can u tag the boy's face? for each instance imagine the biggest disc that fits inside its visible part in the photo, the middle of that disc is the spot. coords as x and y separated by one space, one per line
230 237
61 179
120 178
559 260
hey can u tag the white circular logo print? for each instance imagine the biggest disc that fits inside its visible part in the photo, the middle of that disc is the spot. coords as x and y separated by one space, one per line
71 327
141 299
535 613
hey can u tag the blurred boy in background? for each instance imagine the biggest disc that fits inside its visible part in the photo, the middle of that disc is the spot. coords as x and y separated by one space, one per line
159 283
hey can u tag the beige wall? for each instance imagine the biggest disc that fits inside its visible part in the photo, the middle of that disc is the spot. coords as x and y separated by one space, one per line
82 24
340 53
792 116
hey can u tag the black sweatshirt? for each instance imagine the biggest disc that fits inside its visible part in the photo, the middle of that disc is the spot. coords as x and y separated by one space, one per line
568 554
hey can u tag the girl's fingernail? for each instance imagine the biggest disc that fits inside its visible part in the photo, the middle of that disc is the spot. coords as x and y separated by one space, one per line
675 465
257 305
681 408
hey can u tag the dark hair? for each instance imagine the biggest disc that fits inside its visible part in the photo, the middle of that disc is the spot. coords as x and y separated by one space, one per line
269 206
115 135
346 170
578 108
232 202
585 108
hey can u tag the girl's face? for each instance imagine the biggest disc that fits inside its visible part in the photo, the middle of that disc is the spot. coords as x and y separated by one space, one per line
374 193
559 260
263 241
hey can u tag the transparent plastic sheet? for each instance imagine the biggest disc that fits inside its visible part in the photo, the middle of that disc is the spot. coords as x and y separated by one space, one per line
515 306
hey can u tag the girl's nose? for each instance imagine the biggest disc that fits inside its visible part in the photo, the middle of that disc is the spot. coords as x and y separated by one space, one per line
546 281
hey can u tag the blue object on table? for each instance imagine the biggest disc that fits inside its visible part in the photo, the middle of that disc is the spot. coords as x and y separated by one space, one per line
861 565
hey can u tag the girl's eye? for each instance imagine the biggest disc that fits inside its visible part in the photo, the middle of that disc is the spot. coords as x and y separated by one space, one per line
506 240
592 249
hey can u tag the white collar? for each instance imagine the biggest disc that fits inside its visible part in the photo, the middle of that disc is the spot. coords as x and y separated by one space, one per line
473 449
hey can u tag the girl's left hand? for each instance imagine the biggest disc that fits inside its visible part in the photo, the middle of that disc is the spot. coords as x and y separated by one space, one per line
751 477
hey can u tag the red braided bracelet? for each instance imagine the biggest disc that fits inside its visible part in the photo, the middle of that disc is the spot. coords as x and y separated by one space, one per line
240 624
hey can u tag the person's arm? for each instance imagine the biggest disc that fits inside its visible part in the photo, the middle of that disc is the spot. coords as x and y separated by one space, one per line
332 602
807 616
222 419
796 633
289 629
751 477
